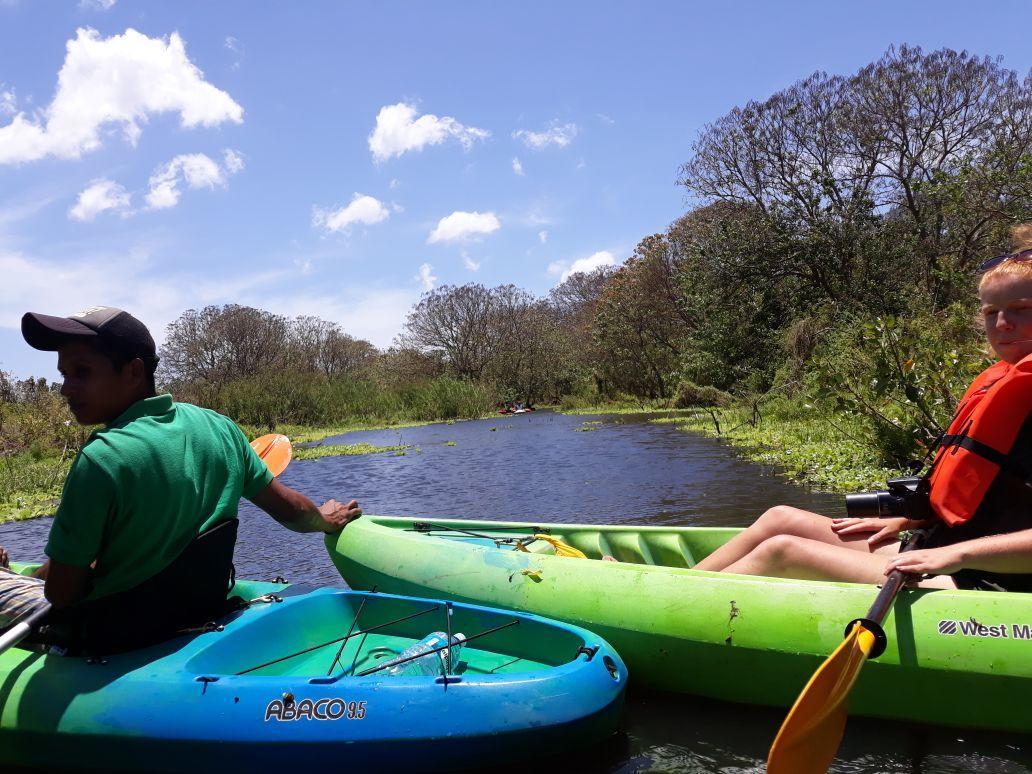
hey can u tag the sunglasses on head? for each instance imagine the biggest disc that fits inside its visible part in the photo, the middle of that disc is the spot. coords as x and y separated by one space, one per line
1021 255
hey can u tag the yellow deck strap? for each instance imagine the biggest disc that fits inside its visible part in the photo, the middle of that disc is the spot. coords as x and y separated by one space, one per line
561 548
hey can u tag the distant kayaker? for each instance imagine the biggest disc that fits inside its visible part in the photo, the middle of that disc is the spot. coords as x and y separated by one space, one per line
146 484
980 483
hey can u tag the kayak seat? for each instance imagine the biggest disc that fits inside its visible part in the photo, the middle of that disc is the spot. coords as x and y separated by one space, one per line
662 549
629 547
190 592
669 549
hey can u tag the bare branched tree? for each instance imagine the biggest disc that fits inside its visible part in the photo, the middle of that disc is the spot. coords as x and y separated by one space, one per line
221 343
453 320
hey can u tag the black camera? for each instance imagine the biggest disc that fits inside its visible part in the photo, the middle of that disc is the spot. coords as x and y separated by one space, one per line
904 497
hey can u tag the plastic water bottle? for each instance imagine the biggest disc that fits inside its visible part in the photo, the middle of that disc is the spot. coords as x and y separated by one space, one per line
432 664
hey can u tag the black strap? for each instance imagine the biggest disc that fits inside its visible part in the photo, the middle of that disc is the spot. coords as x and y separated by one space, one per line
1004 461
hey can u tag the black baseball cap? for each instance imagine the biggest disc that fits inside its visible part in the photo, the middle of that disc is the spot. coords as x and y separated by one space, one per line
114 326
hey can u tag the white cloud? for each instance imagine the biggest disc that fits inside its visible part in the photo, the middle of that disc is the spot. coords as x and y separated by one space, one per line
559 135
376 315
426 276
542 236
469 263
232 160
394 183
399 131
156 297
8 101
581 265
120 81
196 170
148 291
361 209
97 5
100 196
463 225
234 45
605 119
517 167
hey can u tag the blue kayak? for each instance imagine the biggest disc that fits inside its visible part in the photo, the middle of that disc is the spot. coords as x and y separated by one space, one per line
295 681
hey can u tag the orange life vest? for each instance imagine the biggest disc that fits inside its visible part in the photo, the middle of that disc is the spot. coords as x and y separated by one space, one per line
979 440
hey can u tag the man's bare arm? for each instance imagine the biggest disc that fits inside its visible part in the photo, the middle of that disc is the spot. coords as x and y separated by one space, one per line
296 512
66 584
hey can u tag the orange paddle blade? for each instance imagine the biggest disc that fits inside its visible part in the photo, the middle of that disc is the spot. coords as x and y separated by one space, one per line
275 451
812 732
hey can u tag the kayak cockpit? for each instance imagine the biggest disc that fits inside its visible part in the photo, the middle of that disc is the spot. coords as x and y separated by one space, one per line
334 635
657 547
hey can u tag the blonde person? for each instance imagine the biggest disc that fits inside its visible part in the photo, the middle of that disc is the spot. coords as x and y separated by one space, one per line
981 482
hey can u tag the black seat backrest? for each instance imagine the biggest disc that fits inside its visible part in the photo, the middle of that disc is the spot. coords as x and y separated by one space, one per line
188 593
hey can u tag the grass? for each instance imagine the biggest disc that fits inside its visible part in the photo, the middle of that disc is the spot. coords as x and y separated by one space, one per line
30 485
343 450
309 434
623 408
826 452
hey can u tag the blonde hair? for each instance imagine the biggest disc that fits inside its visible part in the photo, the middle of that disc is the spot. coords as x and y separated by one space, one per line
1021 239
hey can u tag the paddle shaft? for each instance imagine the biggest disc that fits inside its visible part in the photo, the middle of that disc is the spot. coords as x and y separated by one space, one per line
887 596
23 628
811 733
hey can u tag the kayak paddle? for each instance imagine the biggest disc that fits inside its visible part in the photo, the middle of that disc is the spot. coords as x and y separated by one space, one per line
22 628
811 734
275 451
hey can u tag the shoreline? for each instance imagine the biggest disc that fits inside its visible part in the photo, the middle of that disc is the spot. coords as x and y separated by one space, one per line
39 493
811 448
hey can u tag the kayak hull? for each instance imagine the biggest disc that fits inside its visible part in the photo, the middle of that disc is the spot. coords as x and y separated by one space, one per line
960 658
184 706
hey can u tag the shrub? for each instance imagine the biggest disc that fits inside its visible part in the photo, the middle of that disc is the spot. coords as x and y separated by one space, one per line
691 394
903 375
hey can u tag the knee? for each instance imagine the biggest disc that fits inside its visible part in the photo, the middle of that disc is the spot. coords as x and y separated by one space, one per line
780 519
779 550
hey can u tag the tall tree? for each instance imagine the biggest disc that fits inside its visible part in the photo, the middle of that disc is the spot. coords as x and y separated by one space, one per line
454 320
221 343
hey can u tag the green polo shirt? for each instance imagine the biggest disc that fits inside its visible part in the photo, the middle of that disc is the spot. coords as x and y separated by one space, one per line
146 485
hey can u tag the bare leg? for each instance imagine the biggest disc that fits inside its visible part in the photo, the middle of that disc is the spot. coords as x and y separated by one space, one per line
781 520
788 556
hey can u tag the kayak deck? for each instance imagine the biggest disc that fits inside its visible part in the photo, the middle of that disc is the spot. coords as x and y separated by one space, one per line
315 630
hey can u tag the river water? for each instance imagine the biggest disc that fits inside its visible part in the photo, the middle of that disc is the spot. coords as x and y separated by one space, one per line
613 470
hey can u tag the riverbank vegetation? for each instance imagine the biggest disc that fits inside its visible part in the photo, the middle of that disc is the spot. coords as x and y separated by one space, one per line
821 287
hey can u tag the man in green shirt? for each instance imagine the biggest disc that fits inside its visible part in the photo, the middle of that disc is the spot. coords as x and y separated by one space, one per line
145 485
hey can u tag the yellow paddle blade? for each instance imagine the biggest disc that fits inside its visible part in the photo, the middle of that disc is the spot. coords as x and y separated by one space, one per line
812 732
275 451
561 548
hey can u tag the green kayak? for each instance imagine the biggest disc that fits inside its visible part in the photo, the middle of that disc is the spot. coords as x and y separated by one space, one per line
961 658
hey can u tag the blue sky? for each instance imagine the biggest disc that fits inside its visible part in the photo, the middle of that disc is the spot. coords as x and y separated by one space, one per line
337 159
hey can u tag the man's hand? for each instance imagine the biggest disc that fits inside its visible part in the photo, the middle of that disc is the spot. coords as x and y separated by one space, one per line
338 516
39 572
295 511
